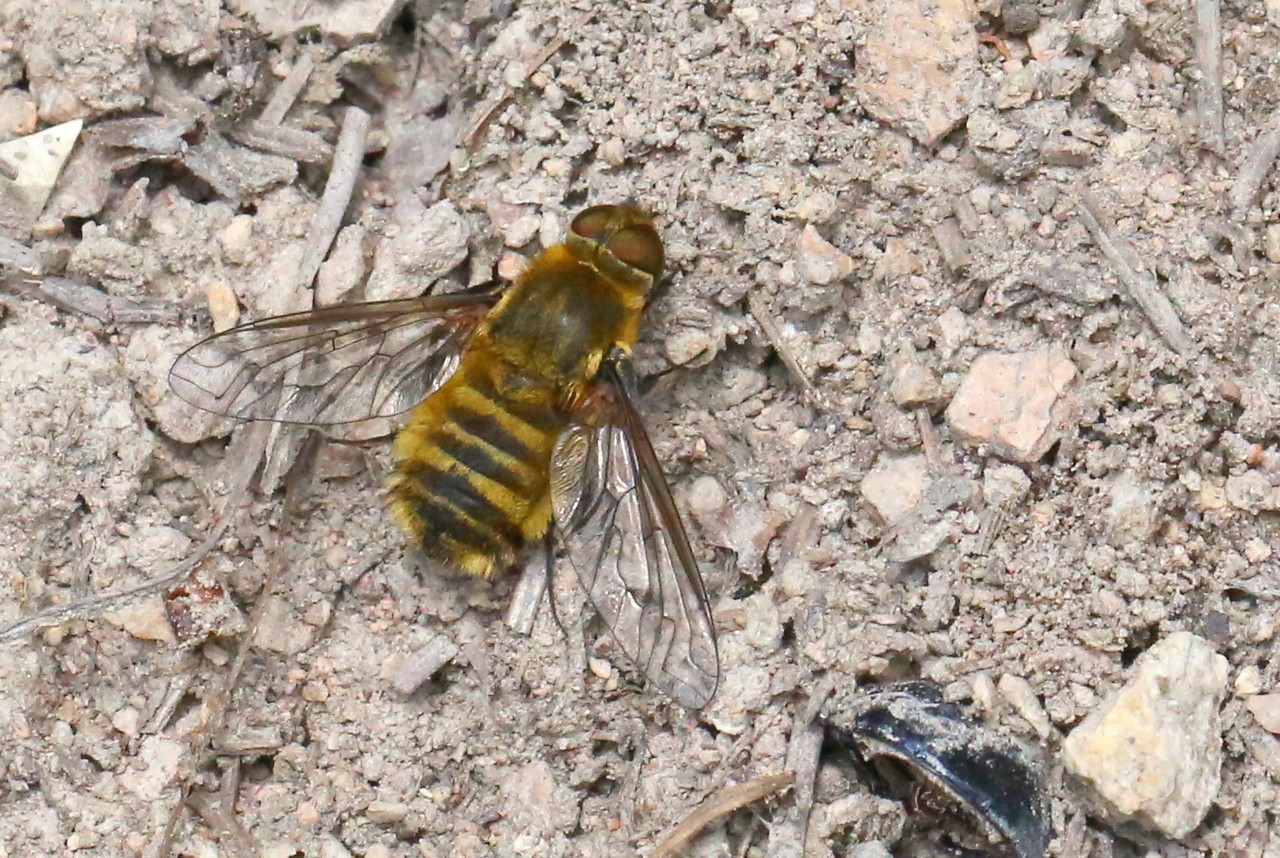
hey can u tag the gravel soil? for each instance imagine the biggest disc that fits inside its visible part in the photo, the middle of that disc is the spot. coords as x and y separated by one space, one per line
859 201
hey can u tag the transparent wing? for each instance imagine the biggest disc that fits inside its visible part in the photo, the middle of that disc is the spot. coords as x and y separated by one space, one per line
623 535
332 366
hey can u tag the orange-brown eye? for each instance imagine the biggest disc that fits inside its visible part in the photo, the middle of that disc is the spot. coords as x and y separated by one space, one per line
593 222
639 247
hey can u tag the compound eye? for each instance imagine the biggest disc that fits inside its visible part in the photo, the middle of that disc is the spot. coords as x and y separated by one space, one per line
639 247
593 222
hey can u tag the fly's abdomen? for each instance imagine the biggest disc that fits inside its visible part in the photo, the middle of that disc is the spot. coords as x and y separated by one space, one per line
471 471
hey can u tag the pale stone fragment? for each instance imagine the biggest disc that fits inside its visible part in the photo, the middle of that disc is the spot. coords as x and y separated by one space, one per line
1152 754
1014 403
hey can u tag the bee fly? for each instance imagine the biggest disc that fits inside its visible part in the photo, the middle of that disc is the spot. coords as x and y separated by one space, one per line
522 421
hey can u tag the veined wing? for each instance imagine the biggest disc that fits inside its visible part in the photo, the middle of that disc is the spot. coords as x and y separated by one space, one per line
622 532
331 366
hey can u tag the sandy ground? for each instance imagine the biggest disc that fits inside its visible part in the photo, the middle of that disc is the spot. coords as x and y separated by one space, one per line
843 188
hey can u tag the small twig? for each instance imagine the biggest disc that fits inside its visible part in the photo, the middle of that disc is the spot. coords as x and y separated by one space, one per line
245 452
1140 283
1208 39
85 300
929 439
804 751
774 335
728 762
19 259
1257 163
347 160
168 705
288 91
304 146
218 813
101 603
527 596
214 709
717 807
484 111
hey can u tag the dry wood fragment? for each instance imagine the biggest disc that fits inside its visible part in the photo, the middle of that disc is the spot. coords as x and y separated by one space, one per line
773 334
799 535
304 146
522 610
81 298
1208 38
717 807
1139 282
804 752
1258 162
348 157
287 92
929 439
155 135
243 456
953 246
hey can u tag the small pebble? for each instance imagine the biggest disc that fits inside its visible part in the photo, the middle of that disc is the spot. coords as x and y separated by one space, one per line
1022 697
1152 754
224 310
386 812
1014 403
820 261
145 620
916 386
1266 711
1271 243
1248 681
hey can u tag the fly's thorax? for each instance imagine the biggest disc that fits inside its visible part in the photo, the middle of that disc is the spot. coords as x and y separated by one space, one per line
561 317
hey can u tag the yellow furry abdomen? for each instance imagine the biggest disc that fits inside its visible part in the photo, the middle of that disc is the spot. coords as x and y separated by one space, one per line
470 481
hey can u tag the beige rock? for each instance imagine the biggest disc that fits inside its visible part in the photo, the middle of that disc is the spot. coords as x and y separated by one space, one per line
39 159
17 114
411 672
918 71
281 630
895 484
1152 754
1131 514
161 756
532 799
1013 403
342 272
1022 697
1266 711
144 619
348 21
915 385
820 261
223 308
1005 485
1251 491
1271 240
430 243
